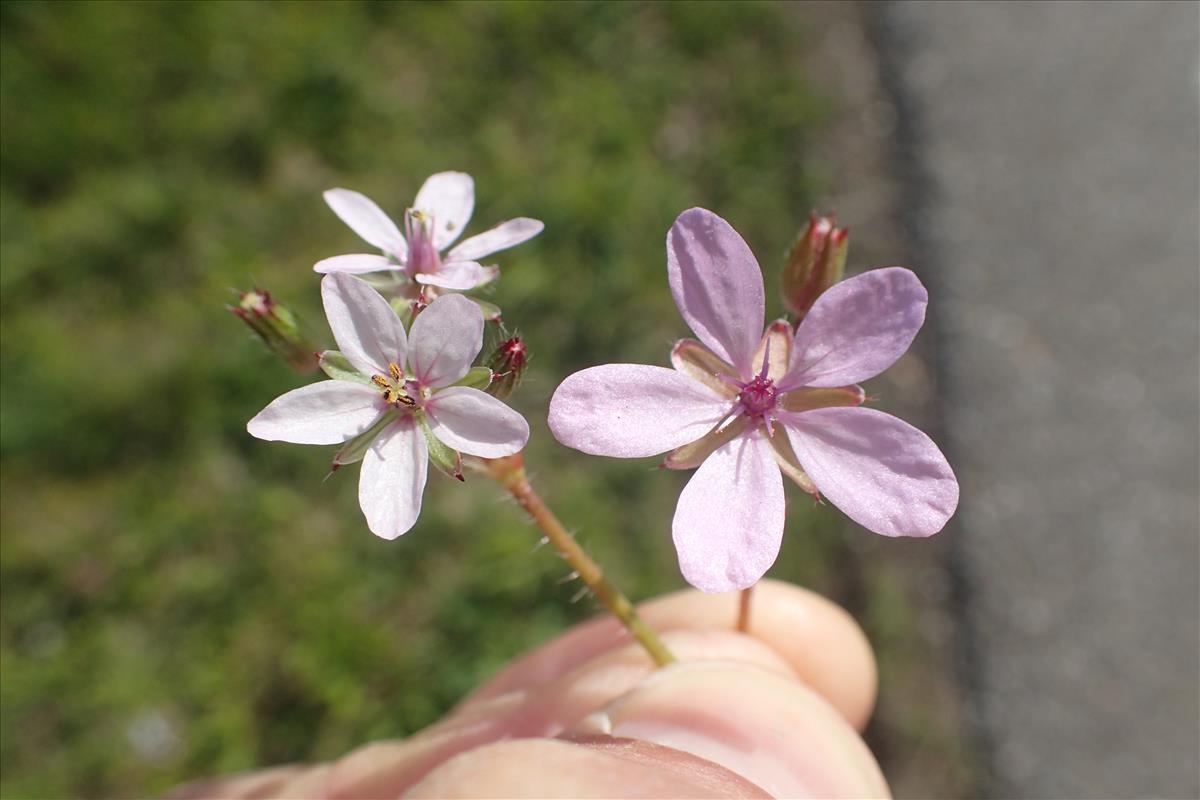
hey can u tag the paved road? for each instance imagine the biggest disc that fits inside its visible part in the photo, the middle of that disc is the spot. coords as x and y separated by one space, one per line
1054 178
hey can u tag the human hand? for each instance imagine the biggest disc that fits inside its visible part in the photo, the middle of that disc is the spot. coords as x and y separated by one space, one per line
774 712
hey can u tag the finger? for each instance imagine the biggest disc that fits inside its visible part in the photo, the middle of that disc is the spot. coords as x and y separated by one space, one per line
247 785
819 639
388 768
593 767
770 729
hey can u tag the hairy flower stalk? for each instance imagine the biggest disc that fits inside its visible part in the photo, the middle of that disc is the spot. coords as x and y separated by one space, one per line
510 473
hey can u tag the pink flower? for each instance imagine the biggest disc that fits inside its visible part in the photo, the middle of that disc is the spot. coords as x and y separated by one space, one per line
437 217
744 407
398 392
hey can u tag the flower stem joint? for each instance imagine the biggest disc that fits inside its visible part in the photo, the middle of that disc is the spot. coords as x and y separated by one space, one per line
278 328
815 263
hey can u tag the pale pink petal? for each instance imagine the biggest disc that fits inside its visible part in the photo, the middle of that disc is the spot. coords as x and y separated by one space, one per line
729 521
328 412
393 479
367 330
503 236
449 197
476 423
355 264
459 275
367 220
446 337
717 285
882 472
632 410
857 329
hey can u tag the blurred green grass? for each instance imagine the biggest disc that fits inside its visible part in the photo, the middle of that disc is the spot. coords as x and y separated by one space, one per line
180 599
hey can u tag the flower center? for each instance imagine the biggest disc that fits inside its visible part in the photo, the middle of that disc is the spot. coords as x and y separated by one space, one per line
422 255
398 392
759 395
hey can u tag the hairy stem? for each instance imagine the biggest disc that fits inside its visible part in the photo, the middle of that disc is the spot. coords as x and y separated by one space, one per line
510 473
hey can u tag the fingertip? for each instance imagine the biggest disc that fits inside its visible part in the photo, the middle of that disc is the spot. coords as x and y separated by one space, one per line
769 728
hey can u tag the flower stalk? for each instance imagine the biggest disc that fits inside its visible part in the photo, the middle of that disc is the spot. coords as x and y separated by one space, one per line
744 599
510 473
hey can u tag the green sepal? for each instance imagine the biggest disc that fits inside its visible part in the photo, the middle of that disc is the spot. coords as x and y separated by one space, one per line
338 367
477 378
441 455
491 311
354 449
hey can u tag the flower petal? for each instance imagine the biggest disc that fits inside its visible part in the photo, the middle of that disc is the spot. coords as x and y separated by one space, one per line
882 472
327 412
459 275
857 329
729 521
355 264
449 197
446 337
367 330
476 423
503 236
717 285
367 220
393 479
631 410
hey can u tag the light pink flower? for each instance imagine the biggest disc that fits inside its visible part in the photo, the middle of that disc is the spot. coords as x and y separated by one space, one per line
437 217
401 384
745 406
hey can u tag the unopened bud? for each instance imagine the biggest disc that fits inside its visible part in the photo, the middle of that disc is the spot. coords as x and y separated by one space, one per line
507 363
814 264
278 329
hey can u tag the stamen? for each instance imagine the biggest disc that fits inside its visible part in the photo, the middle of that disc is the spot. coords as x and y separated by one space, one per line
395 371
381 382
762 374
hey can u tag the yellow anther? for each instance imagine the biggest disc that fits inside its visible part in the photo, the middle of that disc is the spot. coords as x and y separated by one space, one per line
395 371
381 382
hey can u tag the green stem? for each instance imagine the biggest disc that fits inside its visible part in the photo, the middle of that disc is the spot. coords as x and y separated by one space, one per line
510 473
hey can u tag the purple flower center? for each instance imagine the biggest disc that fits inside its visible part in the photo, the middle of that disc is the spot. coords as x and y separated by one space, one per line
759 395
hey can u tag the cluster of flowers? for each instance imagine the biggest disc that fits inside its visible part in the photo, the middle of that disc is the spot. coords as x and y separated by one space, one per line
746 403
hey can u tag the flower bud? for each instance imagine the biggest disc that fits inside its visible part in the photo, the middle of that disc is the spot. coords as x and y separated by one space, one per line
507 363
814 264
278 329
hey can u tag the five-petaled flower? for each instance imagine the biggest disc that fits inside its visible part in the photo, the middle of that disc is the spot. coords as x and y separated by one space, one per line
744 407
437 217
397 392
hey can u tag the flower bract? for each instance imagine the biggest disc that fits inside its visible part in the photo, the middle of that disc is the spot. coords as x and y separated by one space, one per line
394 390
747 407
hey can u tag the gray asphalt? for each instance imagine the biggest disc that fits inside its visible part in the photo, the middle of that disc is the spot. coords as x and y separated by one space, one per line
1051 160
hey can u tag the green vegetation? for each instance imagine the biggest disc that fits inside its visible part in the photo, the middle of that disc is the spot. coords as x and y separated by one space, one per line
180 599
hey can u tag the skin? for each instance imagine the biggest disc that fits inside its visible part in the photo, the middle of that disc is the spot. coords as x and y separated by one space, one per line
773 712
